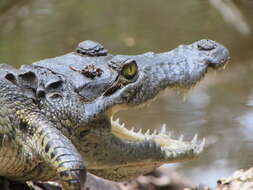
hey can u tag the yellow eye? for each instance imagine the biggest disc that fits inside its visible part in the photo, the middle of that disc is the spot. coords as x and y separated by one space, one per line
129 70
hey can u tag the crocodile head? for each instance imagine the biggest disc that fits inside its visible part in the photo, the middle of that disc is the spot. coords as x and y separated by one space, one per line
102 84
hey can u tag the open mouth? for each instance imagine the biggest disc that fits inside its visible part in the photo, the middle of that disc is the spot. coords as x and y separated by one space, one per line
173 149
162 136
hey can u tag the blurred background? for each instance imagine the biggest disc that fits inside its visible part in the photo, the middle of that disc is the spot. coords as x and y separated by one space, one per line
220 108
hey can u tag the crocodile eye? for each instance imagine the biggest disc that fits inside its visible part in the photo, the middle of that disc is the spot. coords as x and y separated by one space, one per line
129 70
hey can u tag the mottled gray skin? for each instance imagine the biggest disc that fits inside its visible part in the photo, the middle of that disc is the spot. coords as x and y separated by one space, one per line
55 114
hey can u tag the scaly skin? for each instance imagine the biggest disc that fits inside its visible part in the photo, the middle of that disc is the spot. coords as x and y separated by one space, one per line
56 114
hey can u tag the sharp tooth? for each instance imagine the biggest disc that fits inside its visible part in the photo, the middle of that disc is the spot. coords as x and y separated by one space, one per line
123 125
163 129
117 120
111 119
202 144
132 130
147 132
195 138
140 131
181 138
155 132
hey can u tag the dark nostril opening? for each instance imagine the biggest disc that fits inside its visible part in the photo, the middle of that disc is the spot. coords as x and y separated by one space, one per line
11 77
206 45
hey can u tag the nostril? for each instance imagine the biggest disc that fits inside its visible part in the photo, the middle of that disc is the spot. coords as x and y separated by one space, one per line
206 45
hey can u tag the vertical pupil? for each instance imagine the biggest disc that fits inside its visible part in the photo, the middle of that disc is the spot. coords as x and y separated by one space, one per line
131 69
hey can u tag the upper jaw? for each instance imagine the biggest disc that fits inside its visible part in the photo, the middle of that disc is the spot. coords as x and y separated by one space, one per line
180 68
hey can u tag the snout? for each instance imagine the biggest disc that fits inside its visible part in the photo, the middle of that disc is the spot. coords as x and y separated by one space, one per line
216 54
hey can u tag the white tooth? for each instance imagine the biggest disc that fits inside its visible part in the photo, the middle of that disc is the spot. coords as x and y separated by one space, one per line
117 120
132 130
140 131
147 132
154 132
123 125
202 144
169 134
181 138
111 119
195 138
163 129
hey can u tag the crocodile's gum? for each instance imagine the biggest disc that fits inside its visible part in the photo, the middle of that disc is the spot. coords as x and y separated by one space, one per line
56 114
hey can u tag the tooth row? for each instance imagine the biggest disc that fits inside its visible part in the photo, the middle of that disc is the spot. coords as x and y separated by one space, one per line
148 133
191 151
163 131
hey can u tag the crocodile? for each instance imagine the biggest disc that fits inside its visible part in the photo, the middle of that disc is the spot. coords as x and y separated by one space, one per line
56 115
